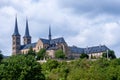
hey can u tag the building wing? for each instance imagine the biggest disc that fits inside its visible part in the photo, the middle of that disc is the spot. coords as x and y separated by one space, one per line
95 49
76 50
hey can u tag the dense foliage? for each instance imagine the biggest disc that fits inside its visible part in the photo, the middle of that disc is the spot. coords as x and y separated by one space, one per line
31 52
25 67
83 55
59 54
110 53
41 54
82 69
1 57
20 67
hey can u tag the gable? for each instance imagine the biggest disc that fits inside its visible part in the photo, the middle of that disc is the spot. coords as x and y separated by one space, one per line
39 43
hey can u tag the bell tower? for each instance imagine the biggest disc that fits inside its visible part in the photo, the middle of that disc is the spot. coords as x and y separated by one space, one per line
27 37
16 41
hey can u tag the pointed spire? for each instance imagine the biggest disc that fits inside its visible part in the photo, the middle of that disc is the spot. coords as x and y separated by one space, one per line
16 32
27 30
50 32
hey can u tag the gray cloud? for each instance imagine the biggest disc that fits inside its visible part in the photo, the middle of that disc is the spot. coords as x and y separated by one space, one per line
92 7
80 22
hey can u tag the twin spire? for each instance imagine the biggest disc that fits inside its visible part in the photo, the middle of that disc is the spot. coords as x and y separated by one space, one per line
27 30
27 36
16 32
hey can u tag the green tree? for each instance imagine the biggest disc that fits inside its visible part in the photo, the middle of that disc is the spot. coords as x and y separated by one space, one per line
50 64
59 54
41 54
31 52
1 57
82 69
111 54
83 55
21 67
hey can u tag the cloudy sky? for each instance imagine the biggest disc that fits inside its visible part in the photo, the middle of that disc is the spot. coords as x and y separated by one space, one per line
81 22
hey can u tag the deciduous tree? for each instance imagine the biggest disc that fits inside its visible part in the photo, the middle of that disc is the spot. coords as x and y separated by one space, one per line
21 67
83 55
41 54
110 53
59 54
31 52
1 57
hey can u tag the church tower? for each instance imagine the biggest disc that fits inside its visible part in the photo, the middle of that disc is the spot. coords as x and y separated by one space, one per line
16 40
27 37
49 36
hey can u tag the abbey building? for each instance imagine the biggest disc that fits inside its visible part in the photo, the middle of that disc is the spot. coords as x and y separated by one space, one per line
51 45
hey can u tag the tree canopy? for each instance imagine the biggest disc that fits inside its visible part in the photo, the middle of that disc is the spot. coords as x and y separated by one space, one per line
111 54
83 55
1 57
41 54
31 52
82 69
59 54
25 67
21 67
